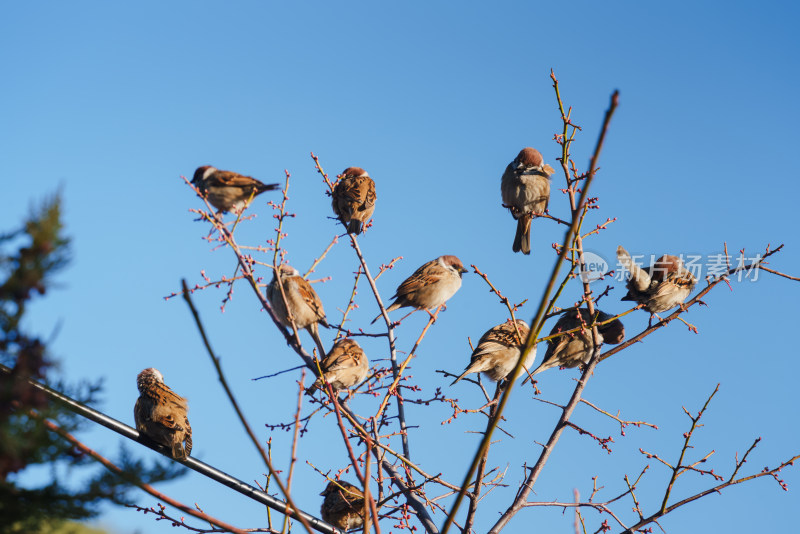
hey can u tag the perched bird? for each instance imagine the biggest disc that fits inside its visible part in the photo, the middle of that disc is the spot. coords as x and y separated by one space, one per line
343 506
526 191
498 352
430 286
160 414
574 349
303 303
354 199
345 366
226 190
660 287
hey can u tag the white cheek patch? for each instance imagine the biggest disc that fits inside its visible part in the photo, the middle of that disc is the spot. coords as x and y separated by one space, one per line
209 172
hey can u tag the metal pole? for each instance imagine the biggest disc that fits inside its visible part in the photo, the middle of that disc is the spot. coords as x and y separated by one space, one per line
204 469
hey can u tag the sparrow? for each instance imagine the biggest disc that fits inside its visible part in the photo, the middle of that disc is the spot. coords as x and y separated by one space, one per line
574 349
345 366
354 199
660 287
160 414
303 303
343 506
227 190
430 286
525 187
498 352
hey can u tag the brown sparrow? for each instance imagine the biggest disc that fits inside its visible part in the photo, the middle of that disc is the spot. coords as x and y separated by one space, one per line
343 506
160 414
498 352
575 348
430 286
525 187
303 303
345 366
660 287
354 199
226 190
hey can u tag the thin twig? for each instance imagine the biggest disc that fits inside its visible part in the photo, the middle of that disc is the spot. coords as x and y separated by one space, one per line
127 477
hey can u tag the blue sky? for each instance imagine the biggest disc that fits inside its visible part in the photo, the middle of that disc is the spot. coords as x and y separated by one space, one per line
113 103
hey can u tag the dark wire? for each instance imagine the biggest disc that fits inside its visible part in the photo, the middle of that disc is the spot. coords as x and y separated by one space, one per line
202 468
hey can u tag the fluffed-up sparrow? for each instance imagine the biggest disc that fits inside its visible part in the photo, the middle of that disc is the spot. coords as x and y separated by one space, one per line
227 190
303 303
498 352
525 187
660 287
354 199
430 286
575 348
161 414
343 506
345 366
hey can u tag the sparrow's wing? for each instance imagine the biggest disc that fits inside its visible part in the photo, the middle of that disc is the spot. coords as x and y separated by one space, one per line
426 275
672 285
683 278
640 279
233 179
168 421
349 498
556 346
351 190
309 296
369 196
343 356
498 338
163 395
568 321
187 440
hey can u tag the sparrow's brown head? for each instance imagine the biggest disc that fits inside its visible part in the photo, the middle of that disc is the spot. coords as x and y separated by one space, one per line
287 270
665 265
354 172
201 173
454 263
148 377
529 157
333 487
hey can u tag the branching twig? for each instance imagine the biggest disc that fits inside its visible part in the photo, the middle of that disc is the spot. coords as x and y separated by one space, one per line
138 483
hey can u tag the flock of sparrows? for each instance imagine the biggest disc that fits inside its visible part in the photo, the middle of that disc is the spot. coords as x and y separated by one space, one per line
161 415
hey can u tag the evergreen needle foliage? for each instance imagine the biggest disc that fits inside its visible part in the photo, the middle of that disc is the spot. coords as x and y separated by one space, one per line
29 259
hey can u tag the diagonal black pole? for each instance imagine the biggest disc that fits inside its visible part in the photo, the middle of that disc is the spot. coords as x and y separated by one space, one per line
204 469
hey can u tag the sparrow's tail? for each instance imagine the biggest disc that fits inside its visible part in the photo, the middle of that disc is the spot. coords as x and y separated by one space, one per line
544 366
393 307
639 278
314 331
178 451
467 371
354 227
522 239
316 385
266 187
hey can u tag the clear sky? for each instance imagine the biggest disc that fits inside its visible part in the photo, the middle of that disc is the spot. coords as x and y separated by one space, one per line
113 102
